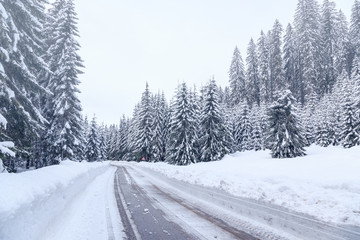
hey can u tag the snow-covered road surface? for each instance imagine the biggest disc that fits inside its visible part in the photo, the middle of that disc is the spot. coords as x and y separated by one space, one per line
206 213
92 215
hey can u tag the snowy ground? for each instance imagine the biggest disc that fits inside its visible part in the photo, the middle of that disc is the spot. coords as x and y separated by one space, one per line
325 183
69 201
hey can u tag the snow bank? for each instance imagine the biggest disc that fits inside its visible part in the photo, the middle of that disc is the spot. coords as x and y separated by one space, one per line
325 183
30 200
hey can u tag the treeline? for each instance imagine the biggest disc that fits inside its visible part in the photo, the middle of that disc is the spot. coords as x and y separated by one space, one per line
297 87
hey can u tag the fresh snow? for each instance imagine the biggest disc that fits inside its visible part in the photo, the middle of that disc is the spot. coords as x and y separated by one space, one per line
4 148
68 198
325 183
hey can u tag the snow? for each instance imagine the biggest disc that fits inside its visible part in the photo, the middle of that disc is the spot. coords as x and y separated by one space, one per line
4 148
3 121
36 200
325 183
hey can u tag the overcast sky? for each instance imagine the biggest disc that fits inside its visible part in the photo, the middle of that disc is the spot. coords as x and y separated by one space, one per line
126 43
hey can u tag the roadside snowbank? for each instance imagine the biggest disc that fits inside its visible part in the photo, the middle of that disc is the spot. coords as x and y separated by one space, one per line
325 183
30 200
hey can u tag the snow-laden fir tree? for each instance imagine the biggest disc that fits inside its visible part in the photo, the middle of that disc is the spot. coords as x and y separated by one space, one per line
21 50
285 137
121 138
159 128
182 132
237 78
213 136
343 50
349 134
92 152
243 129
355 28
307 29
144 135
257 139
102 144
277 82
263 48
289 59
252 75
329 38
64 132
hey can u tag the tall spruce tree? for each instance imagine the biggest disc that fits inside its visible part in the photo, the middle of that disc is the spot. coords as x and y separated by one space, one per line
92 151
289 56
144 133
277 82
237 78
264 67
285 137
307 26
355 28
252 74
213 130
182 132
21 50
65 115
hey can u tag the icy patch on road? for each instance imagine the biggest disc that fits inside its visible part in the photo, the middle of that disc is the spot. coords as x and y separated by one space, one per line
30 200
325 183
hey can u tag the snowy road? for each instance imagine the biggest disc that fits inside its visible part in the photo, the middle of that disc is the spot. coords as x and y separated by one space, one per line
153 206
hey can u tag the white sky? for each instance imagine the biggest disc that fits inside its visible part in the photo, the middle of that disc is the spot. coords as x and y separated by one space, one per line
128 42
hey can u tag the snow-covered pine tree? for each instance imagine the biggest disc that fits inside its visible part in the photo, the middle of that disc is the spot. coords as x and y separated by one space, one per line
212 137
252 75
159 128
349 134
237 79
182 133
289 56
264 67
21 50
285 136
65 117
257 140
102 145
92 152
277 82
307 26
328 33
144 134
343 51
243 129
355 28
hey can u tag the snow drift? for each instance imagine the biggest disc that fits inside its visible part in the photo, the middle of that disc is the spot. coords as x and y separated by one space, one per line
30 200
325 183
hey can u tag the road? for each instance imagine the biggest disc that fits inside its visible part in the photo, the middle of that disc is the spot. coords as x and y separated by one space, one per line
153 206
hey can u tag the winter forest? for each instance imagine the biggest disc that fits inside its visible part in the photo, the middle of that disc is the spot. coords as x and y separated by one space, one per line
298 84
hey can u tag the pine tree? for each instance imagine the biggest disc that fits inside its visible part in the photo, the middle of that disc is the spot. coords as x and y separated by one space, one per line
144 134
329 41
289 56
182 133
252 74
355 28
285 136
102 145
212 138
307 26
159 128
264 67
243 129
277 82
21 25
92 151
237 78
65 116
349 134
